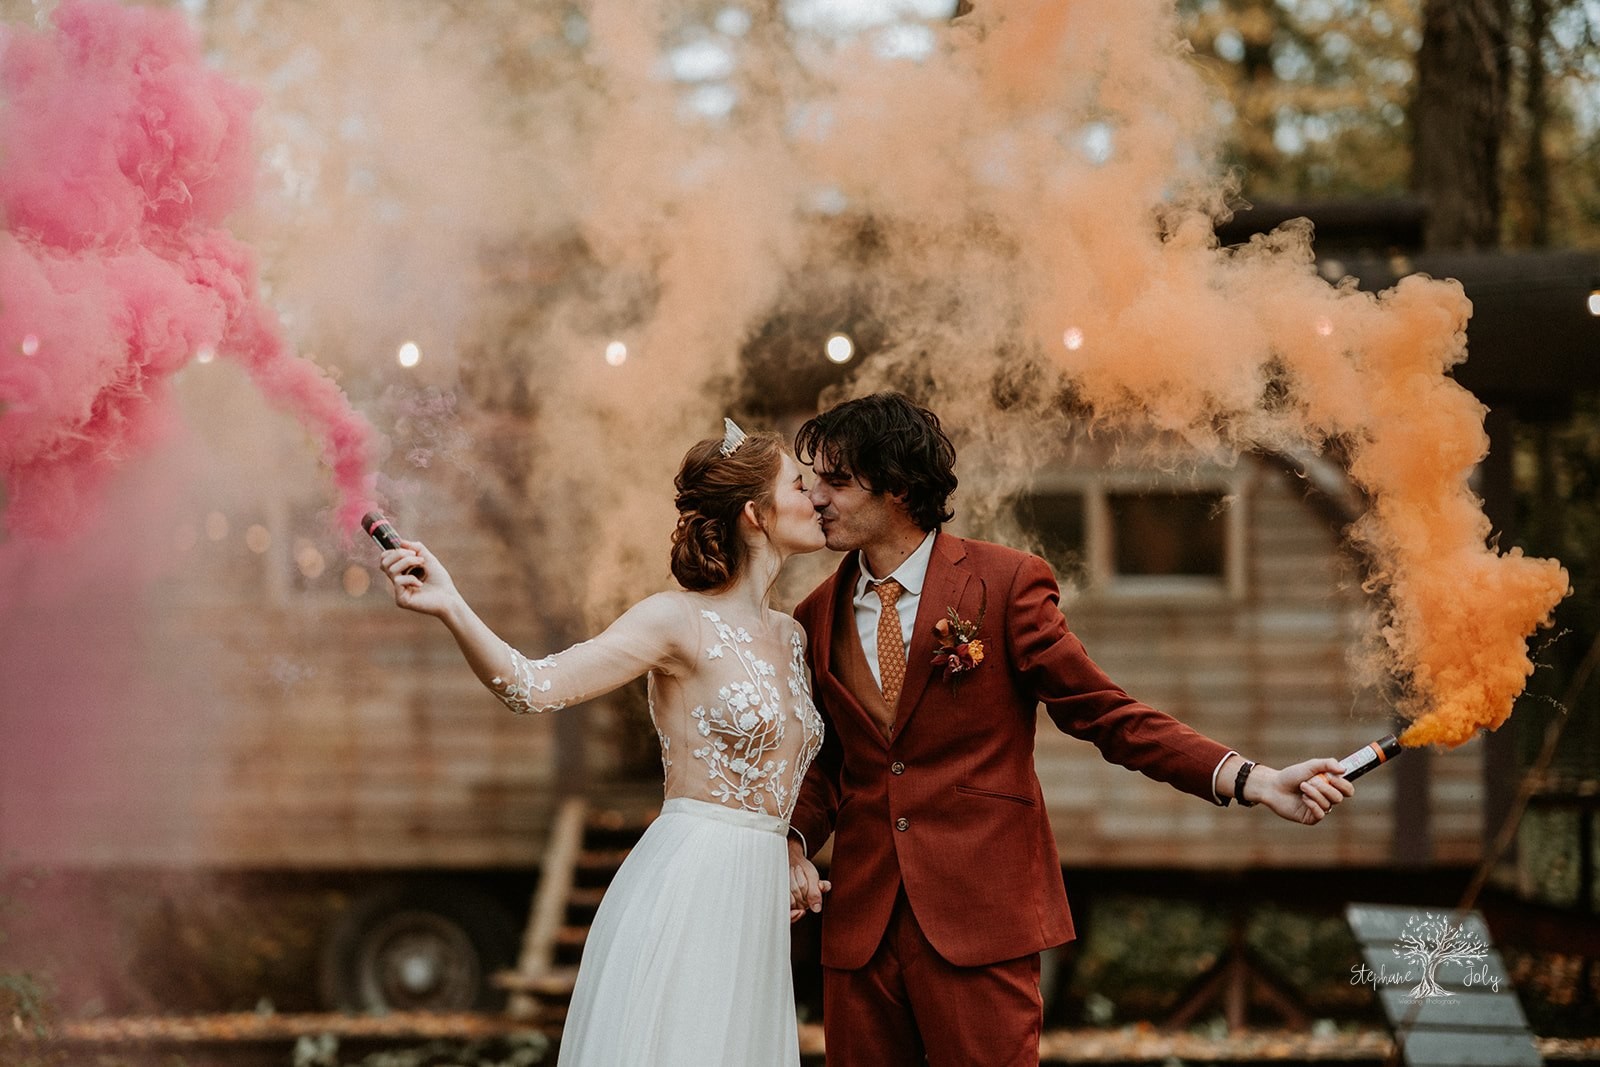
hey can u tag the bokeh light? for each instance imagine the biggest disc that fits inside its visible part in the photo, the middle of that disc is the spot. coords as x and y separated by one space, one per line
357 580
258 538
309 559
616 353
700 61
409 355
840 348
1073 338
733 22
30 344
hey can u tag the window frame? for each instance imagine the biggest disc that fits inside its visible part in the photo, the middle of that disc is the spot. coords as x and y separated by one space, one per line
1102 580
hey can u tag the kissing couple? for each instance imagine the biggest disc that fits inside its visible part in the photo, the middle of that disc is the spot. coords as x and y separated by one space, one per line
894 712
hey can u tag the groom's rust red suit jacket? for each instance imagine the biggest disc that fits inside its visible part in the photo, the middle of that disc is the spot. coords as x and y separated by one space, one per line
951 806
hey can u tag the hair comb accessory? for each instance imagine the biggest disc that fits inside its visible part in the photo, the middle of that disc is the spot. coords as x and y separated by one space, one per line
732 436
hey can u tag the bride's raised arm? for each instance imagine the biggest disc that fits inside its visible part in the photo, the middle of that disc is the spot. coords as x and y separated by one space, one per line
648 636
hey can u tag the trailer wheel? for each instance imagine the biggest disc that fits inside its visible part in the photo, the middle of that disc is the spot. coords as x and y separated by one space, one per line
418 947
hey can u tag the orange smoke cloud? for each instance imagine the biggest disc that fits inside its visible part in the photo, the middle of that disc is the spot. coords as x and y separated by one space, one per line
1461 611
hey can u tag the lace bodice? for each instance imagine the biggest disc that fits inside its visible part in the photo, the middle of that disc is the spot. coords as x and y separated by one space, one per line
730 697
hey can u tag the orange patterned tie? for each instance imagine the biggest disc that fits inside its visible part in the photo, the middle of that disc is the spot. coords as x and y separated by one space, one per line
891 646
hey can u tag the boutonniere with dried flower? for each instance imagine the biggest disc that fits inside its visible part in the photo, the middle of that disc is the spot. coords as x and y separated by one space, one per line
959 649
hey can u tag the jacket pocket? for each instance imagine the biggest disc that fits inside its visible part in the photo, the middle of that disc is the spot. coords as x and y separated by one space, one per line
971 791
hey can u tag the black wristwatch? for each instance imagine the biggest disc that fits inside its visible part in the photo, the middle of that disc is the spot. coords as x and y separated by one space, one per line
1238 785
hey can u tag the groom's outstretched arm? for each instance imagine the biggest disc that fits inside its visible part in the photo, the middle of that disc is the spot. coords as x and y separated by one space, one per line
1087 704
1084 702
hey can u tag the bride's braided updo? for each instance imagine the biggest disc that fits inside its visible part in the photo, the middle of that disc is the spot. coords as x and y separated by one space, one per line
707 550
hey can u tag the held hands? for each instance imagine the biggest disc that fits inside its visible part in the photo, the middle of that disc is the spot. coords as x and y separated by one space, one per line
1302 793
805 886
434 593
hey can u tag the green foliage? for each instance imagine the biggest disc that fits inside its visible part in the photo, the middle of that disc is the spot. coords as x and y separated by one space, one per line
1140 953
23 1003
1316 954
1548 844
1317 92
24 1015
1567 133
1317 98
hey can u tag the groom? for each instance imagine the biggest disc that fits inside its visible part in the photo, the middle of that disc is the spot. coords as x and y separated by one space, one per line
945 880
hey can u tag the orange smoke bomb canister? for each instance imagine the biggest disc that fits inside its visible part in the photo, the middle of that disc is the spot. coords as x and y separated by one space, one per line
1369 756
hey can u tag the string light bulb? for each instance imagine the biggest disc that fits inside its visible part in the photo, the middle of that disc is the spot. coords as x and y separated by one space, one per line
839 348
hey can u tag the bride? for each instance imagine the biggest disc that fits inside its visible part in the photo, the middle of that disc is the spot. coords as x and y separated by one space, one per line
687 962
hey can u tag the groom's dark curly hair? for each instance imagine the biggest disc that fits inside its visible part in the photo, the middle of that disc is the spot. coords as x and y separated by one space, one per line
891 445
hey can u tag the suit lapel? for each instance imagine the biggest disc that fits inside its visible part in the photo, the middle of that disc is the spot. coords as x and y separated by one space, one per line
828 669
942 589
821 641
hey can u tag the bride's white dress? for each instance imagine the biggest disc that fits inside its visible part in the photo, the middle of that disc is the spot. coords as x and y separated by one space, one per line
687 962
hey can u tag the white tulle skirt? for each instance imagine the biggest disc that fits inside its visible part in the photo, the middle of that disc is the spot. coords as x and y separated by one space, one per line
687 962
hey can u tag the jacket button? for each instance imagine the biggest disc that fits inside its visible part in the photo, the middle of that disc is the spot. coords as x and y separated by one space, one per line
902 824
897 767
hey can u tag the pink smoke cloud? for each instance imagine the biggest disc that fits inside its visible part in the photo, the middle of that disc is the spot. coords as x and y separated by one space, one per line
121 153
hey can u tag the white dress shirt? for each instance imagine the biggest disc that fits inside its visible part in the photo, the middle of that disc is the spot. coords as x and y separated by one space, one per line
911 574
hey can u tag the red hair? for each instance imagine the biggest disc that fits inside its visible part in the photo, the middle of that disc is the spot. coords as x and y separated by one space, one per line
708 552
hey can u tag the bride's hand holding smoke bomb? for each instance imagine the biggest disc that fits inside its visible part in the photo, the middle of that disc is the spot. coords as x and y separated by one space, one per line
381 530
408 569
422 584
420 581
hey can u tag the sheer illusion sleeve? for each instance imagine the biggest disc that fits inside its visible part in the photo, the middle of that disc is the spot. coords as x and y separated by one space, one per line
648 636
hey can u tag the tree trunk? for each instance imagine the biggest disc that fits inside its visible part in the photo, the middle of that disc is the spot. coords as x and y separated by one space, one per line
1459 116
1536 100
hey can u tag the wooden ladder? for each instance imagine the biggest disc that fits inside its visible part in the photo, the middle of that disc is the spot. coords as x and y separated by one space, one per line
586 849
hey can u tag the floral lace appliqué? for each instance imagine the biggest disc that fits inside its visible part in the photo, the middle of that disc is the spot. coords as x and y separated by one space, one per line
521 694
744 732
805 709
